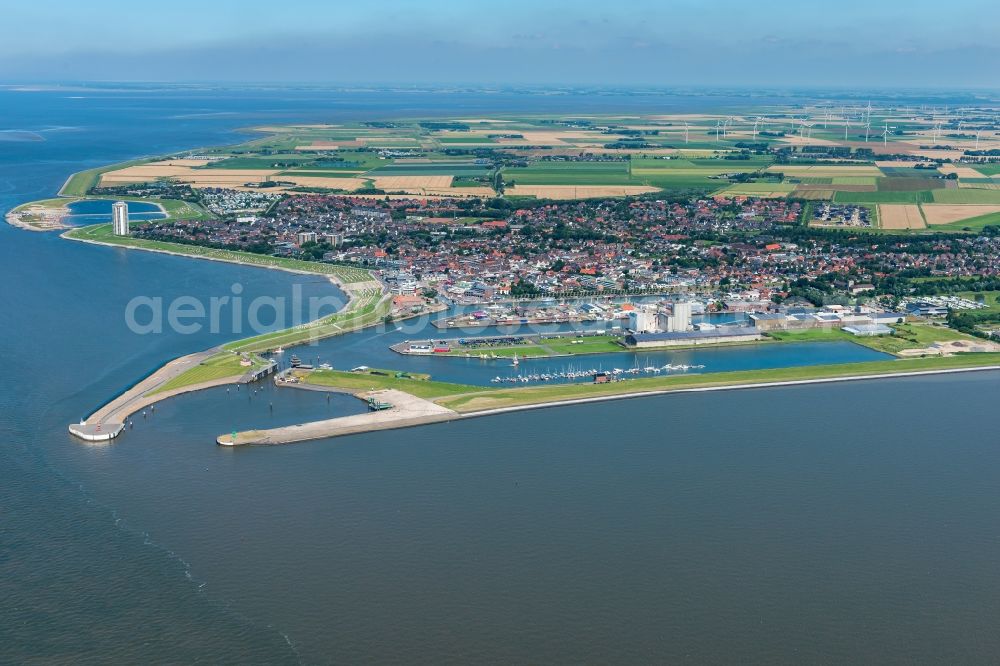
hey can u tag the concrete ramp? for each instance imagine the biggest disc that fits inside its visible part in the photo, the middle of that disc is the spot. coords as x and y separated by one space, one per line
407 410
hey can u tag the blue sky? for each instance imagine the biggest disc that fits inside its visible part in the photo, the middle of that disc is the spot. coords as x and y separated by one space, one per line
631 42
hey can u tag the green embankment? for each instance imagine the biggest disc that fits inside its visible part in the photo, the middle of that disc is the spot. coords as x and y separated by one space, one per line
907 336
220 366
80 182
497 398
356 381
102 233
367 308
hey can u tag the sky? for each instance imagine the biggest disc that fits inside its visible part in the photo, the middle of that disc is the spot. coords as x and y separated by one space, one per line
777 43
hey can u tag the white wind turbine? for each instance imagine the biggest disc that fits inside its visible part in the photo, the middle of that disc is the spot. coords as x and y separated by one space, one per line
718 127
978 132
847 126
687 128
868 129
885 135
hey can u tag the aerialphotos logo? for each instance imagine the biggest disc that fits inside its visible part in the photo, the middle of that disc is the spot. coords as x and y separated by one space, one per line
187 315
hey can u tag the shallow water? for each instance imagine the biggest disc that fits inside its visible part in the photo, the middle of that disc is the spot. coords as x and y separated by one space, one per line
822 524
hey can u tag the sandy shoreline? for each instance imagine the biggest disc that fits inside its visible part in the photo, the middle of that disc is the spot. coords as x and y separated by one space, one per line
48 219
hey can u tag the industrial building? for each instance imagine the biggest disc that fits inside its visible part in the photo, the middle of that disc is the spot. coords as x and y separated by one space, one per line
642 321
678 321
720 335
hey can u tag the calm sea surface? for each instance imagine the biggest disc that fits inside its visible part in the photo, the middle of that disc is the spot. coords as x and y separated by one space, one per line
852 523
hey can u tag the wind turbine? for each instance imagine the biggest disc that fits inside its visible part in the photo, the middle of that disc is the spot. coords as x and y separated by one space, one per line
868 128
686 129
885 135
869 118
847 125
756 123
977 138
718 126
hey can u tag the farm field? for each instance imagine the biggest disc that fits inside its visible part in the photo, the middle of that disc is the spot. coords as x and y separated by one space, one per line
592 156
901 216
937 214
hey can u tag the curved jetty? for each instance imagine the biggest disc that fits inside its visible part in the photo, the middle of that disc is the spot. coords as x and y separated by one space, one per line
109 421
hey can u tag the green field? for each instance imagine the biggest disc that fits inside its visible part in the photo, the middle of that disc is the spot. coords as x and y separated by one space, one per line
102 233
992 169
570 173
262 162
856 180
907 336
909 184
176 209
753 189
967 196
356 381
887 197
990 298
431 169
220 366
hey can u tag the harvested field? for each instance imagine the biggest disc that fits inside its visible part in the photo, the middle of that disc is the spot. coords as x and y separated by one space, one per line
348 184
185 174
806 141
482 192
320 145
979 186
835 188
948 213
223 177
825 170
939 154
543 138
900 216
961 171
412 182
577 191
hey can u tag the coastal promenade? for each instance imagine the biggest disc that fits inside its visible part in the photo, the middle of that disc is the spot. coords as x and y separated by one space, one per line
406 410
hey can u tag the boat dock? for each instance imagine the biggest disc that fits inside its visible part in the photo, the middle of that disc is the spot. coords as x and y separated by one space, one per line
388 409
473 344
